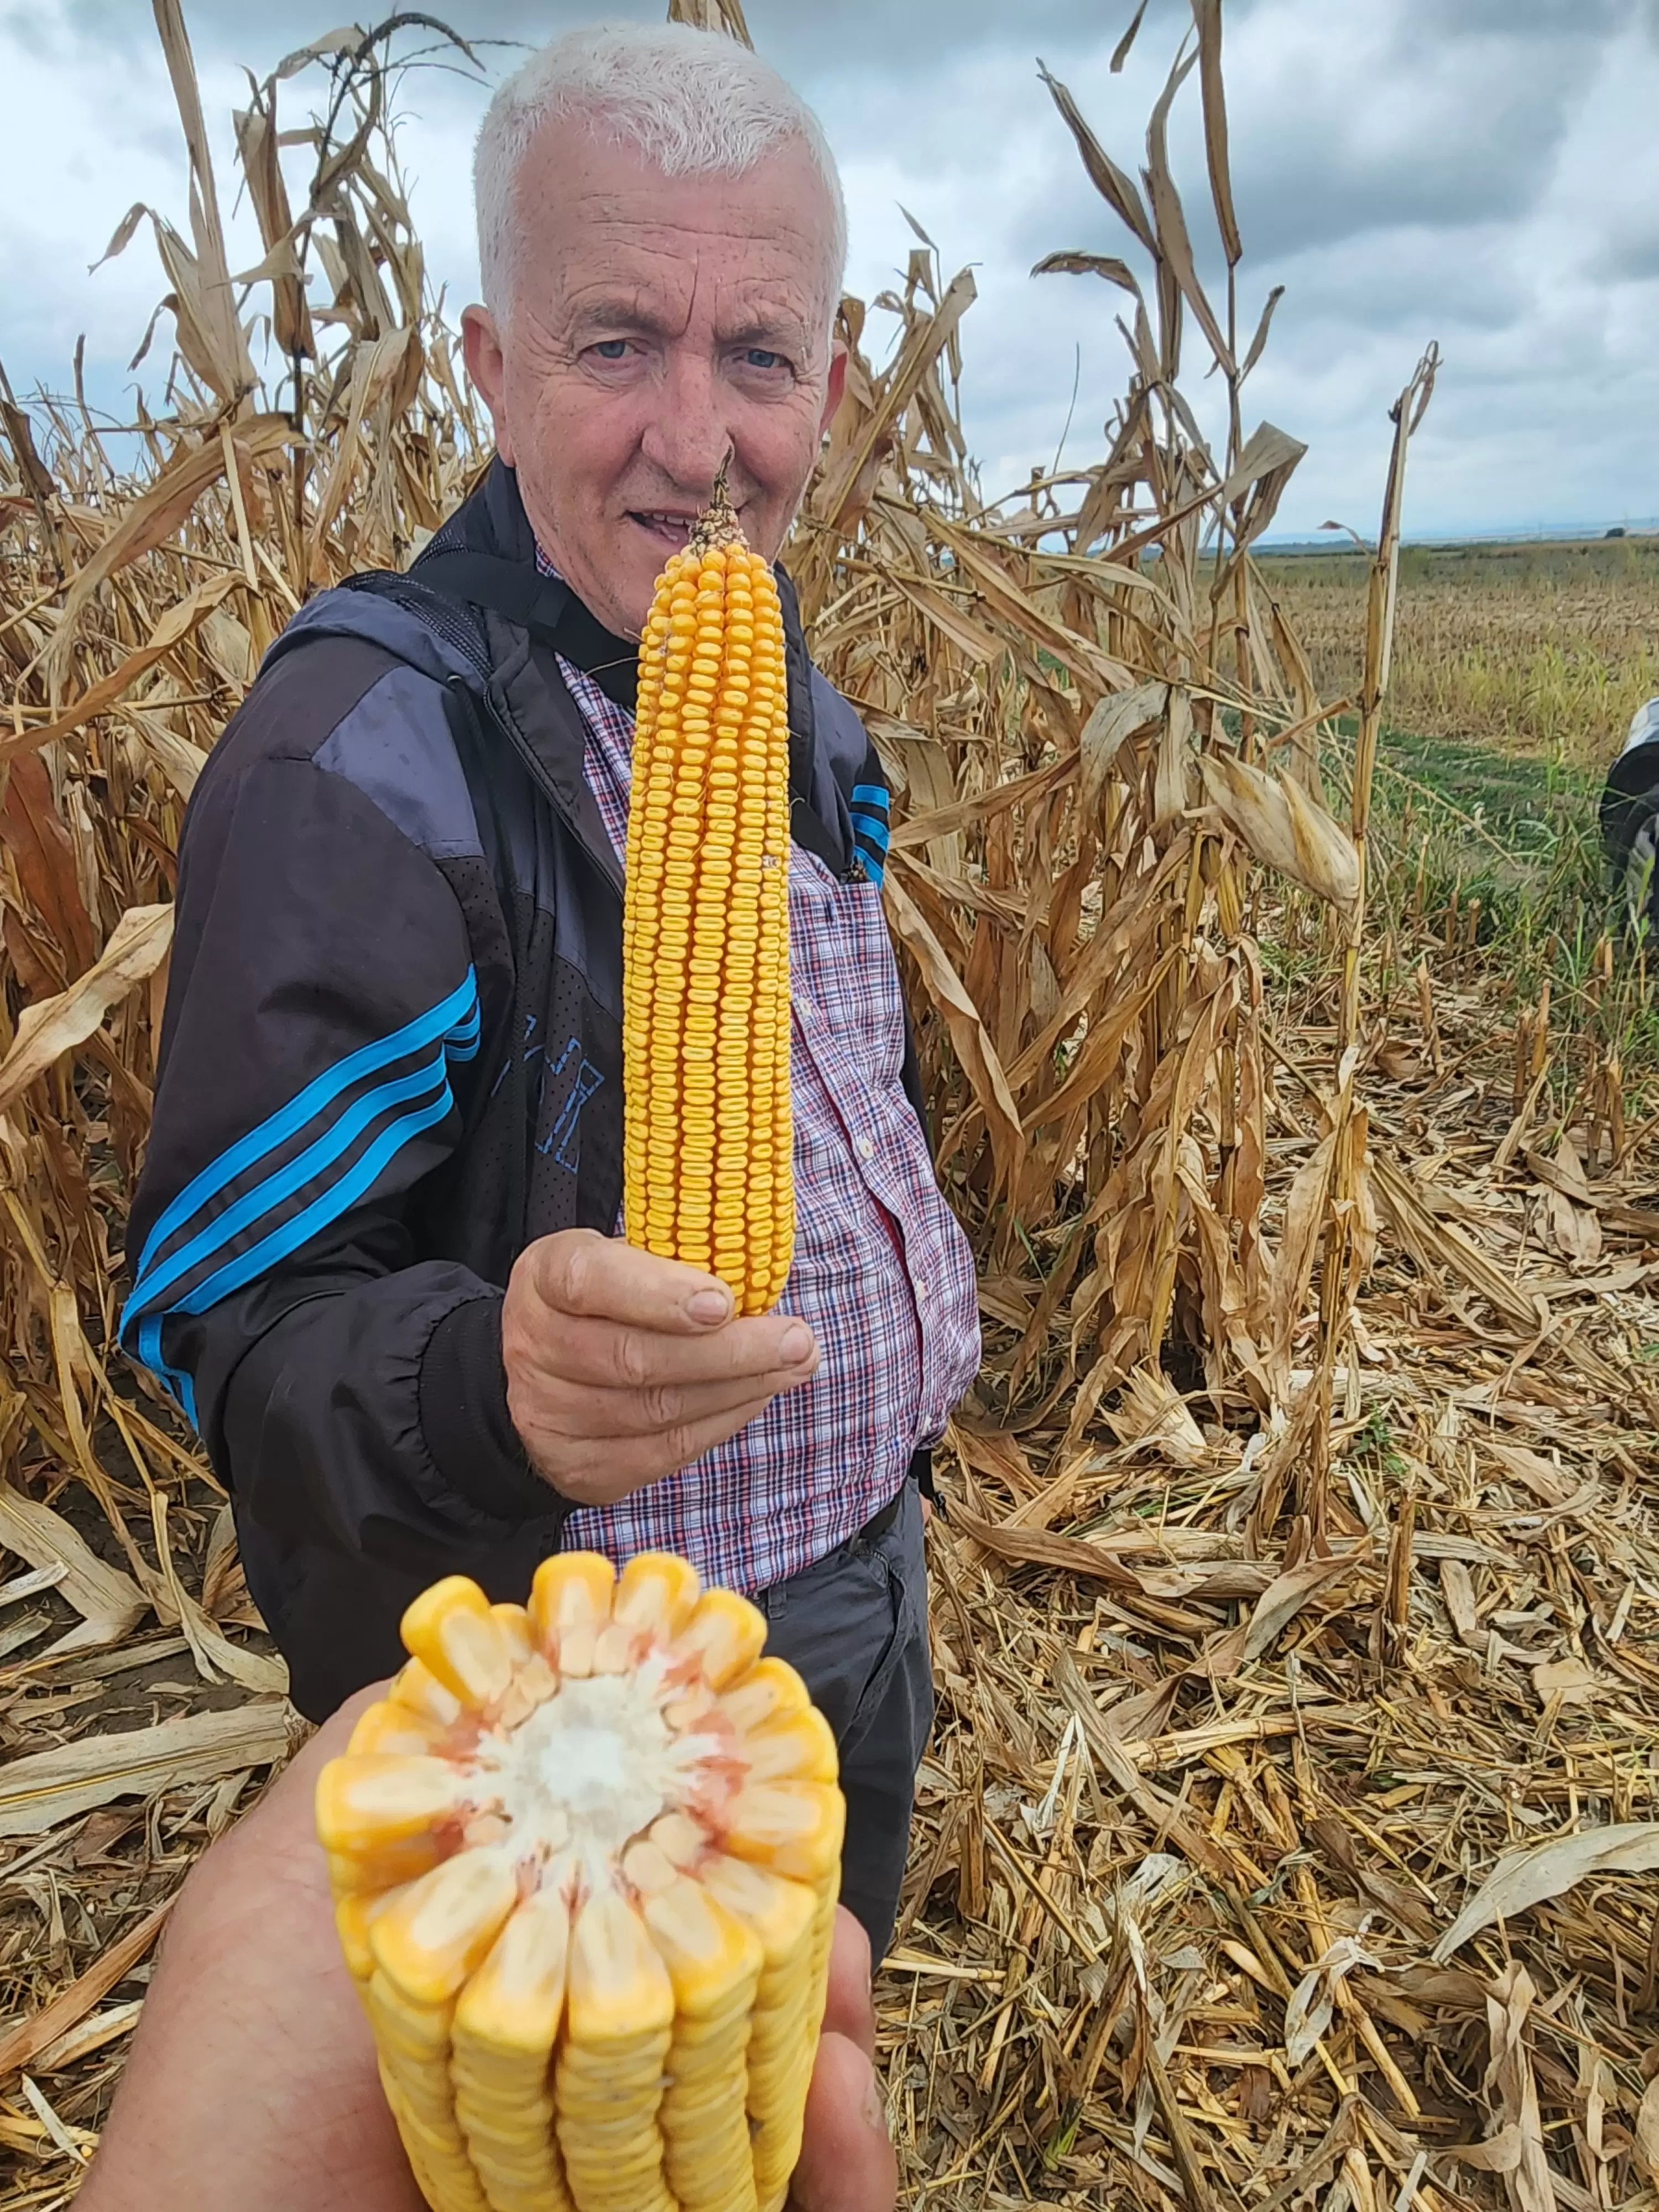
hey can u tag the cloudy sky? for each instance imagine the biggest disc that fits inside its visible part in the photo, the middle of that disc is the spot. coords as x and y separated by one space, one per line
1484 172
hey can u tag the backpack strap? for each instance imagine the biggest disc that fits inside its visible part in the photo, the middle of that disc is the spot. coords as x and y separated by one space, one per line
546 606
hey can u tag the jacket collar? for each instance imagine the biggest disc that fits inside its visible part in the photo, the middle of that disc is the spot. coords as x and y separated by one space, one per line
487 554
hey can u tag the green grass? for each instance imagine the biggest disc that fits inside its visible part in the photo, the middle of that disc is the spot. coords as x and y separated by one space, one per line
1492 860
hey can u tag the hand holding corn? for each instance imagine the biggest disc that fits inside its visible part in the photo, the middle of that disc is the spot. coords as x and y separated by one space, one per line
251 2081
622 1367
585 1857
624 1363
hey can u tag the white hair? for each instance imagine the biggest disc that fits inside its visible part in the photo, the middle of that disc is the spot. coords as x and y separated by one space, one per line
694 104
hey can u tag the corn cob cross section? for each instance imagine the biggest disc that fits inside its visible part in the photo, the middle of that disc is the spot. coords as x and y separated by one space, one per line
585 1857
707 1126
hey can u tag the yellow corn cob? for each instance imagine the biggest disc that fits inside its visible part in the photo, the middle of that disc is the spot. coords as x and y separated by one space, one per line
585 1858
706 922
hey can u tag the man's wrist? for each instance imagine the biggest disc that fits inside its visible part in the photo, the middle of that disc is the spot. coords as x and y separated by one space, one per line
466 1422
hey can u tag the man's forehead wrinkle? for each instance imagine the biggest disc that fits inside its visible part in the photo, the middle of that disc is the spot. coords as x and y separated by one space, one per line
647 228
782 248
661 282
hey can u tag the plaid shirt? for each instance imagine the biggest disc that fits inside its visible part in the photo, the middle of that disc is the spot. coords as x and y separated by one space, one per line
882 1272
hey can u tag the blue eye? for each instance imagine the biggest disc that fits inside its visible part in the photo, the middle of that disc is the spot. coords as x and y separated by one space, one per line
611 349
758 357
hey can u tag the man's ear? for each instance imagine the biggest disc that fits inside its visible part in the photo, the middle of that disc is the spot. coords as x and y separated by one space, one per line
486 364
835 385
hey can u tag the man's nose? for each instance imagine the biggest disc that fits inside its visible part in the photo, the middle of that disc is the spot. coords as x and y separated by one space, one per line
688 437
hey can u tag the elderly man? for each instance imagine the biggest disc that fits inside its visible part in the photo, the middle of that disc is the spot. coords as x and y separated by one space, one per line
373 1248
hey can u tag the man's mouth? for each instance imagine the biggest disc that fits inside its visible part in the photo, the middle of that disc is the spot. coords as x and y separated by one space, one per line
669 530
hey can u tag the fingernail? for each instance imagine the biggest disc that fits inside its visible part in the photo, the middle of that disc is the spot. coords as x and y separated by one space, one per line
796 1345
709 1306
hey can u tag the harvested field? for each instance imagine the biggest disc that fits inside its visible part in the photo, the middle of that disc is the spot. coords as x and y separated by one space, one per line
1539 649
1287 1831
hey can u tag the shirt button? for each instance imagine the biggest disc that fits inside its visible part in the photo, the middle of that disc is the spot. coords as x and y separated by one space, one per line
867 1150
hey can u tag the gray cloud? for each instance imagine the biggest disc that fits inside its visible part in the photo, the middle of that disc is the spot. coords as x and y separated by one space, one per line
1476 169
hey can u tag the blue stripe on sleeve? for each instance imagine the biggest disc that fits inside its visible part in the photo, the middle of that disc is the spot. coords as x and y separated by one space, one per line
455 1014
872 795
299 1171
873 865
339 1198
866 825
454 1023
177 1379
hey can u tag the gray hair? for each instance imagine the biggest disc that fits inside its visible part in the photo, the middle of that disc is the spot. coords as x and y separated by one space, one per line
694 103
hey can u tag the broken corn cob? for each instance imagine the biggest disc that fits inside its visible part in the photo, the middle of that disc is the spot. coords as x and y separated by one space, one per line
706 922
585 1857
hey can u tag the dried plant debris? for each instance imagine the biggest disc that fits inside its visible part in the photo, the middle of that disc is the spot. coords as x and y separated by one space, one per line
1284 1831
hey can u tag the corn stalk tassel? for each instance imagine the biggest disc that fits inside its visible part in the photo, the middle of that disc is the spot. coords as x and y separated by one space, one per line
585 1856
708 1130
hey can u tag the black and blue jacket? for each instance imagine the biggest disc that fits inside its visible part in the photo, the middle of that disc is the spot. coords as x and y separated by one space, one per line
391 1058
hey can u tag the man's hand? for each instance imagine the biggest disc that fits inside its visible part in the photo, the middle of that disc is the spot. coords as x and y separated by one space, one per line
847 2160
622 1367
252 2081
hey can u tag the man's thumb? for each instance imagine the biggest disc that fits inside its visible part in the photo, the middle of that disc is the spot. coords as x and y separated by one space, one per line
847 2160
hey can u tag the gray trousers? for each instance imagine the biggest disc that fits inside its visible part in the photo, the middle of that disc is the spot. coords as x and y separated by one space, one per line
854 1627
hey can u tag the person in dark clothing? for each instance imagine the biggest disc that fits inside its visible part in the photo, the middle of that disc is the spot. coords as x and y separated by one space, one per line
1630 824
373 1249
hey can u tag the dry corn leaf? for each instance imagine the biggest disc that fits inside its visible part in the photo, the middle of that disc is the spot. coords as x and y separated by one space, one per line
110 1604
1527 1877
1285 1597
1170 793
1263 469
1114 184
1070 263
1207 13
1575 1231
1041 1546
1116 718
980 809
46 1788
1174 244
38 2037
95 2033
138 944
1570 1679
176 623
159 512
966 1025
43 856
1285 828
1644 2148
1516 2148
179 761
1311 2004
1152 1414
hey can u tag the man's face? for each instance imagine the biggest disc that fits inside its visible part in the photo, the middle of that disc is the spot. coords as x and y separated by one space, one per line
656 323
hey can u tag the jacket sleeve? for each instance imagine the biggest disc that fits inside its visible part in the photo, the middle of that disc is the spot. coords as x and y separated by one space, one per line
849 783
323 1027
